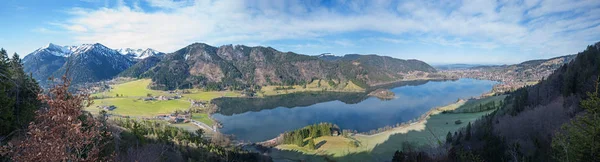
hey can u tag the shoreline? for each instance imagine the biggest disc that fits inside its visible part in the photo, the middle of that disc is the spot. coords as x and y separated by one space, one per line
417 125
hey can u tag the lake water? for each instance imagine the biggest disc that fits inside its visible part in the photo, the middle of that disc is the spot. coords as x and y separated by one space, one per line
260 119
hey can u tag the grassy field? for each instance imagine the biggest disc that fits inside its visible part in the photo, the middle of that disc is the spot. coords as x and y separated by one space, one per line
380 147
472 105
140 108
202 117
316 85
130 104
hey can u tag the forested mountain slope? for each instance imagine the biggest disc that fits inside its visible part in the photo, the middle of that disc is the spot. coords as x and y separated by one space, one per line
526 126
202 65
141 66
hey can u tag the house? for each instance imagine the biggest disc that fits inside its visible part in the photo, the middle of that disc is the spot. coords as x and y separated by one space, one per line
162 98
197 103
108 108
179 119
335 133
164 117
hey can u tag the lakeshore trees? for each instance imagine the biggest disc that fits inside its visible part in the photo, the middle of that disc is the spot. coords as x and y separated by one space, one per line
313 131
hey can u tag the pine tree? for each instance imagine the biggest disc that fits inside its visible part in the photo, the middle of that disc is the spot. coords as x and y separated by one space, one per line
26 91
458 138
311 144
6 101
449 138
398 156
579 140
468 133
314 133
298 140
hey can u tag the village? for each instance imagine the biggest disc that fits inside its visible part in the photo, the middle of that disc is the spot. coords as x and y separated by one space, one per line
176 117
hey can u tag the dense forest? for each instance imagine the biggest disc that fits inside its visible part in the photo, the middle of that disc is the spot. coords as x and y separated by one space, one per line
555 120
18 96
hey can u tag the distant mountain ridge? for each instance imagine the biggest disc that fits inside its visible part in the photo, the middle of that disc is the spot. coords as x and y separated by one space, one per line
87 62
457 66
533 63
203 65
228 66
139 53
531 70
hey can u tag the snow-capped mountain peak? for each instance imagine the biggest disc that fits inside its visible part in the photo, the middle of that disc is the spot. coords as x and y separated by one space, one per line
325 55
54 49
95 48
139 53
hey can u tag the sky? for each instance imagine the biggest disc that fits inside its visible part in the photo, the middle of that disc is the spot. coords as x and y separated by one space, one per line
437 32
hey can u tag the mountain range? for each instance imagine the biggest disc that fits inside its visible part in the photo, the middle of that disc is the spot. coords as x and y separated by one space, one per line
86 63
202 65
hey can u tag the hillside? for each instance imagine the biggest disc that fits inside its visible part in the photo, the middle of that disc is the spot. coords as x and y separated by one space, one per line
140 67
513 76
527 125
202 65
44 61
456 66
532 70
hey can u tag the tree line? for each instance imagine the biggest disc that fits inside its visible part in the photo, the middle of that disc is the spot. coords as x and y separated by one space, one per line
297 137
18 95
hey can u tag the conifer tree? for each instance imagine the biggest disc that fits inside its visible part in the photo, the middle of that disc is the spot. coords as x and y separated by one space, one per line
449 138
6 102
311 144
579 140
26 91
468 133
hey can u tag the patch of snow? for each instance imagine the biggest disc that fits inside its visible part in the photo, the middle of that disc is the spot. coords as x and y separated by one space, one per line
326 54
138 53
54 49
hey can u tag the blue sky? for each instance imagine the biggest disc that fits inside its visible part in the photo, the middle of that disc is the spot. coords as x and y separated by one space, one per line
453 31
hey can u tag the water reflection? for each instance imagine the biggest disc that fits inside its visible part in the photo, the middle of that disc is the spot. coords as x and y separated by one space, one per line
262 119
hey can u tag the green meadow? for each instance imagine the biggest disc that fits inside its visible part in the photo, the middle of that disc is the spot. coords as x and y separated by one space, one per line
130 101
140 108
202 117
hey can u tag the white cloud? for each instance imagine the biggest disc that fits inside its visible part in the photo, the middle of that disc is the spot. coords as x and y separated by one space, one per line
528 25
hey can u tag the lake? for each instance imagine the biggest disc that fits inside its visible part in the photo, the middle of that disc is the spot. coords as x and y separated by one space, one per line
260 119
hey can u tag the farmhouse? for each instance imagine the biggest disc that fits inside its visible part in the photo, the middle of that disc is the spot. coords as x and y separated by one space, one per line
197 103
108 108
173 118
